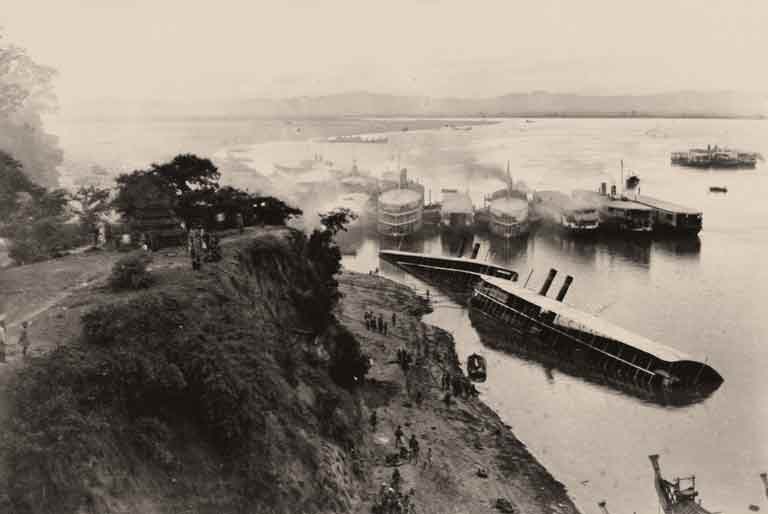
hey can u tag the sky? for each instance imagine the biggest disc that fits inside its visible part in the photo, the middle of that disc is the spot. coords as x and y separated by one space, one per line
176 50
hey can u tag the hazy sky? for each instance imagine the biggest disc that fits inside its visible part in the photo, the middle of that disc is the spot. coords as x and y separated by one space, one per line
190 49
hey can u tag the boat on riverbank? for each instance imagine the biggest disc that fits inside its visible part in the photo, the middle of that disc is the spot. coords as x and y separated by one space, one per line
570 214
531 325
456 211
477 368
618 214
671 218
679 496
401 208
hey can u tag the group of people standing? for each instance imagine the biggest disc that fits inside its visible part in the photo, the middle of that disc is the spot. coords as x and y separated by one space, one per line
203 246
457 385
23 341
377 323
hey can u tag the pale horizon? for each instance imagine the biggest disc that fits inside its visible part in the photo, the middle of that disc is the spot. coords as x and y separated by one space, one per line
177 52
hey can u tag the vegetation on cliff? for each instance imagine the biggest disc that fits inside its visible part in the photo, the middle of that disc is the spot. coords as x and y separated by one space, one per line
231 388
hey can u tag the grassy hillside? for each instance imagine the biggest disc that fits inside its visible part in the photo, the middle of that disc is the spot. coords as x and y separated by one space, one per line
219 391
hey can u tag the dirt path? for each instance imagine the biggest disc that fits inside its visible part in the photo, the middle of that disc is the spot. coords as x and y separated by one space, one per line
467 439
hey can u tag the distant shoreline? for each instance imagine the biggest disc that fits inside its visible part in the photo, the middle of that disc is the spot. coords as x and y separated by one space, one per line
489 118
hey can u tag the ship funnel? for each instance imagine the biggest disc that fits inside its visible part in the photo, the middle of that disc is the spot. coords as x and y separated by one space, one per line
548 282
613 190
564 289
475 250
603 188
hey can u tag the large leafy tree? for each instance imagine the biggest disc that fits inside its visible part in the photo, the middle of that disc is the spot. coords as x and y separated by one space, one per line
188 179
26 93
188 172
90 203
12 182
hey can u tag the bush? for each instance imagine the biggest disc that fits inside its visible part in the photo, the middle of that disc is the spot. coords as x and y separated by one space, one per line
130 272
44 239
349 364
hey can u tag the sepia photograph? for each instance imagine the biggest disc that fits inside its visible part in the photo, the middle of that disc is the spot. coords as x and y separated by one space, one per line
403 257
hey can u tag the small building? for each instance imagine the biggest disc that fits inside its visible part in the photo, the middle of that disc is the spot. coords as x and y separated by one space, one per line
155 219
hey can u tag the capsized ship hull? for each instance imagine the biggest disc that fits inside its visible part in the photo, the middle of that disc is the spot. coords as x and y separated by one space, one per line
534 326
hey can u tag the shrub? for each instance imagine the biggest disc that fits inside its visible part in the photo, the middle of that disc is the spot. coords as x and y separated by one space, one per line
130 272
349 364
43 239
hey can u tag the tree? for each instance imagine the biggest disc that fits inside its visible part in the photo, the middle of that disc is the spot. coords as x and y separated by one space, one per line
187 172
337 220
271 211
12 182
188 179
26 93
90 203
133 189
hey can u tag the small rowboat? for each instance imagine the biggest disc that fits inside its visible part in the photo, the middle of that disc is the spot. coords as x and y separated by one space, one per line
476 369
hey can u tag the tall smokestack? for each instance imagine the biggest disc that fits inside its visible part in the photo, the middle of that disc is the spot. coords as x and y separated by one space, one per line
564 289
475 250
603 188
548 282
403 178
613 190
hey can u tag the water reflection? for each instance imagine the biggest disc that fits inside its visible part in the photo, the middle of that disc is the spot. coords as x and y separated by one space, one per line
688 248
505 251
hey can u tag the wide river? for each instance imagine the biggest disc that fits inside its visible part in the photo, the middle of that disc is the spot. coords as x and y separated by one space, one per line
708 297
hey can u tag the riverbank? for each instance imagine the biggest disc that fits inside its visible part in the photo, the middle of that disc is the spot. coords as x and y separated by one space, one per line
241 310
476 459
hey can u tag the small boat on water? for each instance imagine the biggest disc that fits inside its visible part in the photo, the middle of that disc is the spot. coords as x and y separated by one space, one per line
358 139
476 368
718 189
678 496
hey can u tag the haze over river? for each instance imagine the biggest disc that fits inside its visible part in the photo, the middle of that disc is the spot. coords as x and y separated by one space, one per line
707 298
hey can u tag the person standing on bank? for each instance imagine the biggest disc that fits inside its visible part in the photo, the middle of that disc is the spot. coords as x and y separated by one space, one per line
3 338
24 339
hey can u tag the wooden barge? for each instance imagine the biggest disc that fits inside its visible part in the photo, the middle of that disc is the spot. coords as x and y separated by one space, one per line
671 218
531 323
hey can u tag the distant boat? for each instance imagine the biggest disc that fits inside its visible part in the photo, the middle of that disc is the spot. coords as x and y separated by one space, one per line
715 157
358 139
718 189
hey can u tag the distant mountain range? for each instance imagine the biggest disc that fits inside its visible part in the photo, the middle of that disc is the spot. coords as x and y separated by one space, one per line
538 103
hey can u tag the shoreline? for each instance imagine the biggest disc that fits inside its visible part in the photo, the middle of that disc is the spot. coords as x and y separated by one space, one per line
468 438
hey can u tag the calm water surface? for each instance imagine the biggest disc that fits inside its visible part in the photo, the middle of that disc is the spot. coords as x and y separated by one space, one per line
707 298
